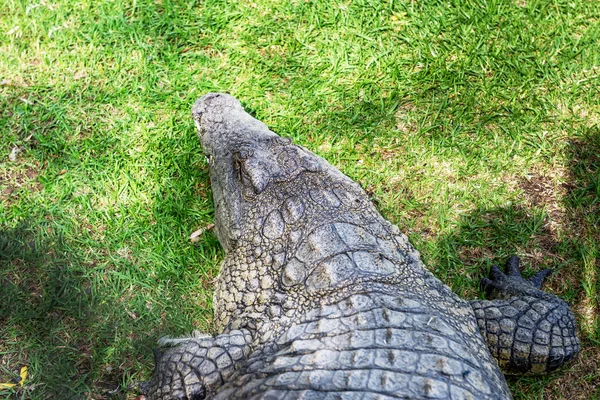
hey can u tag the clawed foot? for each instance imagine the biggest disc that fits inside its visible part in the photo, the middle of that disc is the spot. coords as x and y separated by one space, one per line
176 375
502 285
528 331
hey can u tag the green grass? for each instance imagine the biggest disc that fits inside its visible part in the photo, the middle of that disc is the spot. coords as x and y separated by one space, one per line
474 125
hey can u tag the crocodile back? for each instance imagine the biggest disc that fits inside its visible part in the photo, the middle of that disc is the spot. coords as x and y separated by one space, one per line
375 345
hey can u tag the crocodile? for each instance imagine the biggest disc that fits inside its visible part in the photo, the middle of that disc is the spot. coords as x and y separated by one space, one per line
320 297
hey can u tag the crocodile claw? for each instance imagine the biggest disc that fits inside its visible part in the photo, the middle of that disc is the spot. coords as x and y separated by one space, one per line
512 266
538 279
505 284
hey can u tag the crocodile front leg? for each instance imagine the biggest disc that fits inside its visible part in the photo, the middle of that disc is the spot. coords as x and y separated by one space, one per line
196 367
528 331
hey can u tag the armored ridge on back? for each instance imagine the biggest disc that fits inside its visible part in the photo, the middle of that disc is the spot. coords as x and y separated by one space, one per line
319 297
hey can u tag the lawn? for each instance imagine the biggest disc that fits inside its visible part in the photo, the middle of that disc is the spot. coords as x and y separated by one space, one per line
473 125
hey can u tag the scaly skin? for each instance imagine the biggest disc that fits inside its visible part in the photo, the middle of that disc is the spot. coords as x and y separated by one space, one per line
528 331
320 297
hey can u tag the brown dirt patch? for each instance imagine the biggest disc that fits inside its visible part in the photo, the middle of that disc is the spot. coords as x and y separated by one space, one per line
471 255
19 178
544 191
581 381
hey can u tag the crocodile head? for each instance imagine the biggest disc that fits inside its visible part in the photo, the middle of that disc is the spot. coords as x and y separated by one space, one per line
245 158
227 134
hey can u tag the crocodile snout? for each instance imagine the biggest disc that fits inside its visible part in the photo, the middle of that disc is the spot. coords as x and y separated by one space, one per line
212 101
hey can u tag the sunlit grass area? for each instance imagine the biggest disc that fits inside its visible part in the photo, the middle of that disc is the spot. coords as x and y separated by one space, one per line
473 125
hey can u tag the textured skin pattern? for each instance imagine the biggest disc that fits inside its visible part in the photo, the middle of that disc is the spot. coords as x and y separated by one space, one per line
528 331
332 300
197 365
368 345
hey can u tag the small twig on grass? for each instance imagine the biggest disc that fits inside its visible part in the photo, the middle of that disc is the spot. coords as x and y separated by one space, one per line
195 237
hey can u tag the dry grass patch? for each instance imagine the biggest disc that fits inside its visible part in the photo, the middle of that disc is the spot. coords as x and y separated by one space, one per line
544 191
19 179
580 381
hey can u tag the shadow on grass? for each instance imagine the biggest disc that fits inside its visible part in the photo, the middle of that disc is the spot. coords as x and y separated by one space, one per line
84 310
47 305
488 236
46 309
55 320
583 199
52 316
